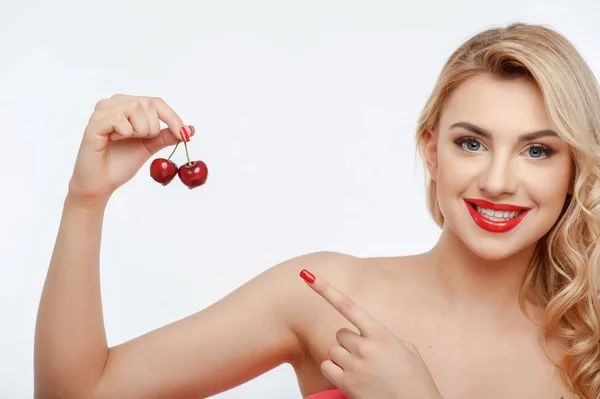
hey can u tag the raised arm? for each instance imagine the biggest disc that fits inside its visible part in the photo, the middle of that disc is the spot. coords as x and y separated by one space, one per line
239 337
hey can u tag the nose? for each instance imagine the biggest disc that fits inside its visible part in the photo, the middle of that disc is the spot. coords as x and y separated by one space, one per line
499 177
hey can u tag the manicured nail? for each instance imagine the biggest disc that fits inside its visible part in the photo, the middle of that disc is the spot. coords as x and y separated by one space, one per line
184 134
307 276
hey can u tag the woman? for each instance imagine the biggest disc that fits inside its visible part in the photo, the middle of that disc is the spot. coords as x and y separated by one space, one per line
504 305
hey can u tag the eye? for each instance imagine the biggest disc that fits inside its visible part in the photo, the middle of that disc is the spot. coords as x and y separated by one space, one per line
470 144
538 151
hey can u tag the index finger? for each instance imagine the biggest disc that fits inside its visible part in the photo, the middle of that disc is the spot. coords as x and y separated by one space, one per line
171 119
356 315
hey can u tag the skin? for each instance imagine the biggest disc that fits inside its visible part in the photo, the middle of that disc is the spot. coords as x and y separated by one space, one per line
456 304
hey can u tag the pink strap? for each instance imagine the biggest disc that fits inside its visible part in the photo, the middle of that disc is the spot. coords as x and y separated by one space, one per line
329 394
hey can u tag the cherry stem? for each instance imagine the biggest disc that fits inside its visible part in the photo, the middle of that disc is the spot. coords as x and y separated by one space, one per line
187 154
168 159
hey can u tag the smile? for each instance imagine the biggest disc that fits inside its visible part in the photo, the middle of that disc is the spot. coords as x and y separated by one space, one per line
495 218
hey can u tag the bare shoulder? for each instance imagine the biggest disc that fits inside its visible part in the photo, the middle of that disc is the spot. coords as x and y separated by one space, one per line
350 272
340 266
342 269
347 269
356 275
364 279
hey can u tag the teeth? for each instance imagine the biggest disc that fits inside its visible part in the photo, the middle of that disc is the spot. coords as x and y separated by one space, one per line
498 216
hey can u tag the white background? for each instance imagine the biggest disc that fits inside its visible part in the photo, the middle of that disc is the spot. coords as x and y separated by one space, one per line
305 114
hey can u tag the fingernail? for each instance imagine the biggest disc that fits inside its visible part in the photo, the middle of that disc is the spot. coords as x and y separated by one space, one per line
192 130
109 140
184 134
307 276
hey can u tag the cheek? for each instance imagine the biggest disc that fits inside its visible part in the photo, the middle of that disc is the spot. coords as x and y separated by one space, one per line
454 173
549 189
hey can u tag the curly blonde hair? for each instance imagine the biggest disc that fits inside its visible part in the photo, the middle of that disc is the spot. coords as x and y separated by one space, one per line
565 271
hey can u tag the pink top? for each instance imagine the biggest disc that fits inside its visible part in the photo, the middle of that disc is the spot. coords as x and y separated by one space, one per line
330 394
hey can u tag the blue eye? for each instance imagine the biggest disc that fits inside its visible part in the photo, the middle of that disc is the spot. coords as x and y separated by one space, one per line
469 144
538 151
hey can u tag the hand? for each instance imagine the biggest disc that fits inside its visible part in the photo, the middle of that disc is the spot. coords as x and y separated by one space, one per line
374 363
122 134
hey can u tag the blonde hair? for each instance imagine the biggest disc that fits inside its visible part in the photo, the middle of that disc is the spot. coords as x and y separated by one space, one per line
564 274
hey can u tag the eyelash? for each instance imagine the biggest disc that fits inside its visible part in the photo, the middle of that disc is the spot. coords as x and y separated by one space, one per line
464 140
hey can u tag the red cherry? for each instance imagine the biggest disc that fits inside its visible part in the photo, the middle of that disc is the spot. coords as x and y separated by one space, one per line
163 170
193 174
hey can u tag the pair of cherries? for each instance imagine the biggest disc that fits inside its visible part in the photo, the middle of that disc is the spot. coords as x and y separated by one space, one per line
192 174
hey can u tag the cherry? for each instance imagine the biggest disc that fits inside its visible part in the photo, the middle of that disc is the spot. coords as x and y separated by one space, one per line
163 170
194 173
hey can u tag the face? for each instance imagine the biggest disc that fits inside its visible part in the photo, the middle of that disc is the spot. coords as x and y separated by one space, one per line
502 175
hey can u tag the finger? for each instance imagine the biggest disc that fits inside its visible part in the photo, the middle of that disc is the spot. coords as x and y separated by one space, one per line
127 123
139 121
154 128
170 117
142 116
163 140
333 373
342 303
340 356
349 340
119 121
112 101
117 126
164 112
102 104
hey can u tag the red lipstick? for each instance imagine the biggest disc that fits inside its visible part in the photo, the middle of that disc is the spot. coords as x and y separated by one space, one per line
493 226
494 206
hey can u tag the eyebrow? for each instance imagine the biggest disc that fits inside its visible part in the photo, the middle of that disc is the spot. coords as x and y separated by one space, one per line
486 133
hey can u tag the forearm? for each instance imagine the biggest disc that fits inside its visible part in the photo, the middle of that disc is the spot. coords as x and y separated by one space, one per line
70 340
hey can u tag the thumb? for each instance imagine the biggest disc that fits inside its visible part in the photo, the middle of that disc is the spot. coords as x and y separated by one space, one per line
164 139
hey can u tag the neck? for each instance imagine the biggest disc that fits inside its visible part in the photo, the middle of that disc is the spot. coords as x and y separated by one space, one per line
466 280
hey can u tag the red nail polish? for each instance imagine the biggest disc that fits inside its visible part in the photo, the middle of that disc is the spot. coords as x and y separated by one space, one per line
307 276
184 134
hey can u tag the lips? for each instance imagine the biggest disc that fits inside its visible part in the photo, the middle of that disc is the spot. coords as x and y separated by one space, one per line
493 217
496 207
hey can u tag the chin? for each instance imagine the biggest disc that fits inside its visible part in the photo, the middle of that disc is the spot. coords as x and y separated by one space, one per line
494 249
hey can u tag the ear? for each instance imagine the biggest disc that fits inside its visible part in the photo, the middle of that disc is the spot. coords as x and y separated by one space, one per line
430 153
